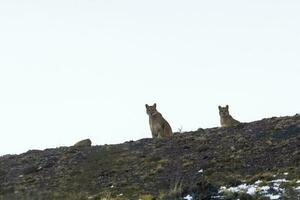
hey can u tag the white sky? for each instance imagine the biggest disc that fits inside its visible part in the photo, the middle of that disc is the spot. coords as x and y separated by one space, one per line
71 70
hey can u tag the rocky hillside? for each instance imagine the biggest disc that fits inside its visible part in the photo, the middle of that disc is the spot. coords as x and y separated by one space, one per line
258 160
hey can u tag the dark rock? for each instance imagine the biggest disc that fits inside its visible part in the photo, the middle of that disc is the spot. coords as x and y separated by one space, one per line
30 169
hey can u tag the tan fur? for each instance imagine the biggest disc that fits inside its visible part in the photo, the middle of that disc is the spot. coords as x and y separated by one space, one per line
225 118
160 128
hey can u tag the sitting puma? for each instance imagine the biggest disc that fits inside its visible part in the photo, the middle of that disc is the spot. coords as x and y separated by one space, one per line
226 119
160 128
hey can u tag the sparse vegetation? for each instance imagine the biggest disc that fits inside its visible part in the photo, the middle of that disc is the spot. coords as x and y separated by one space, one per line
192 163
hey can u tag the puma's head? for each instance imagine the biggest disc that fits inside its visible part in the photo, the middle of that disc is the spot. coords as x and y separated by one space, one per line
151 110
224 111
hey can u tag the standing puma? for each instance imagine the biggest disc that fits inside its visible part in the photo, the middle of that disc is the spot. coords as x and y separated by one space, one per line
160 128
225 118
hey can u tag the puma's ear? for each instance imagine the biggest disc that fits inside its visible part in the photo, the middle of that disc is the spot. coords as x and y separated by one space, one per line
227 106
154 105
220 107
147 105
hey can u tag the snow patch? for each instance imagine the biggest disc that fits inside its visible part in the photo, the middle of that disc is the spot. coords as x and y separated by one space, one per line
188 197
271 196
272 188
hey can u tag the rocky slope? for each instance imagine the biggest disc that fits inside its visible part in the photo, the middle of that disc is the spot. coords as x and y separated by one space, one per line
189 165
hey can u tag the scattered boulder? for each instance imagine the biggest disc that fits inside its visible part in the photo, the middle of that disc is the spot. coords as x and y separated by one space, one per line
30 169
83 143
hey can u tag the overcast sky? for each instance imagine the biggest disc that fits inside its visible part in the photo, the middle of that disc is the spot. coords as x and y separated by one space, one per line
71 70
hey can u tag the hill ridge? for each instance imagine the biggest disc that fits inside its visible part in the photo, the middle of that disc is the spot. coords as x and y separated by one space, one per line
195 163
